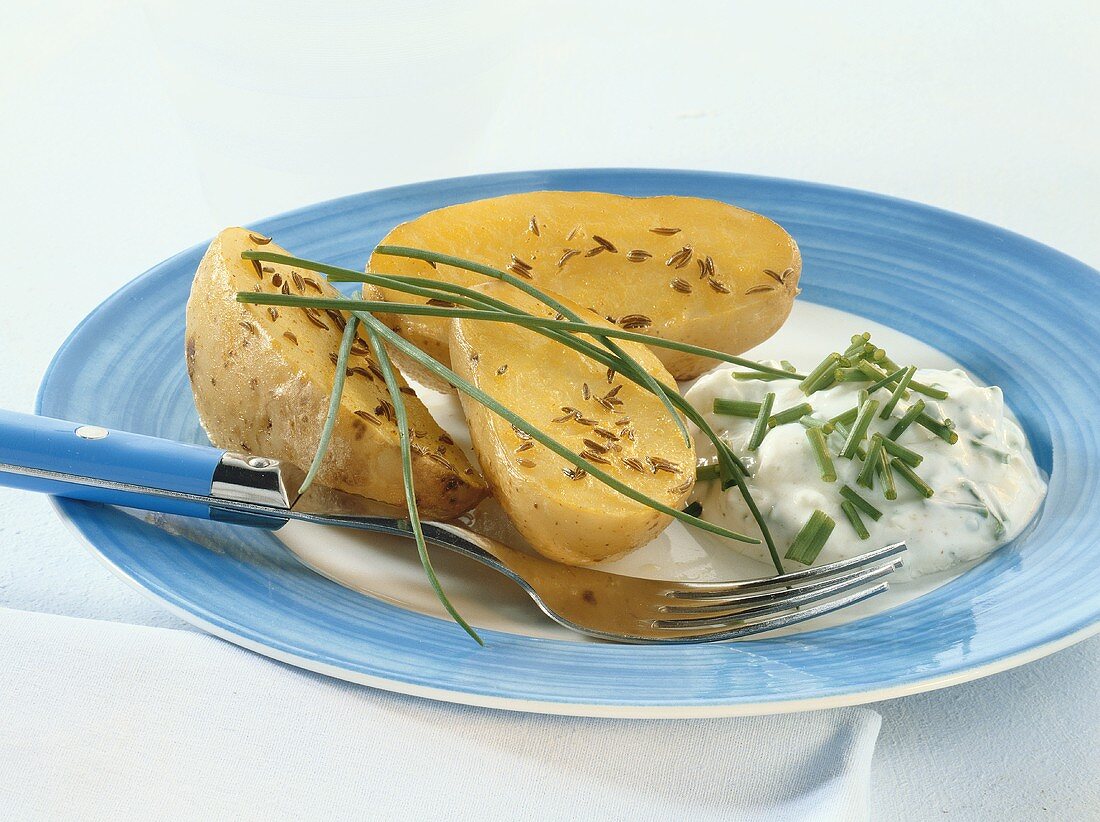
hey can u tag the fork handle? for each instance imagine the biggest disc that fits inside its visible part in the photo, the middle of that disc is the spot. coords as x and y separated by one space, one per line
96 464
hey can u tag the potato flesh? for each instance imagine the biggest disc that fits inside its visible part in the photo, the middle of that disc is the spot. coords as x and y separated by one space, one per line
262 378
682 268
577 521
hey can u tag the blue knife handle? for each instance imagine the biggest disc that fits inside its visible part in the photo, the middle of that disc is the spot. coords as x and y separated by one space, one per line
30 441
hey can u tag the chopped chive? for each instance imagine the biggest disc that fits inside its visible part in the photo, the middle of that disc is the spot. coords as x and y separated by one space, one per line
859 344
760 428
943 430
909 457
861 354
787 365
885 381
849 375
899 391
886 474
853 517
736 408
910 476
792 414
872 372
862 395
821 454
888 363
813 422
906 420
859 502
695 509
859 428
820 373
808 543
847 418
706 472
928 390
866 477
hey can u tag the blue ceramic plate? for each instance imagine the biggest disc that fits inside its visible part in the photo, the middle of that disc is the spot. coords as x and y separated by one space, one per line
1014 312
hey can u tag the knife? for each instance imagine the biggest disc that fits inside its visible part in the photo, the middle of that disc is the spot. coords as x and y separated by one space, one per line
97 464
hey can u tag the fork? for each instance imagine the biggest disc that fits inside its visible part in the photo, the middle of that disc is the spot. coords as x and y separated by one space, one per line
96 464
649 611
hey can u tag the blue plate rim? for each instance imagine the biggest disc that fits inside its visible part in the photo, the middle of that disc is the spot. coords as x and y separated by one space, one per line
1056 641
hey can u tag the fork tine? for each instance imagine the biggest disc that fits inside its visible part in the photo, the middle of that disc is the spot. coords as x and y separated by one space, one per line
740 602
733 618
774 623
707 590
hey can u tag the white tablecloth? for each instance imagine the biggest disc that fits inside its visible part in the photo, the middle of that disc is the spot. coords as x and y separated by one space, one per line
132 130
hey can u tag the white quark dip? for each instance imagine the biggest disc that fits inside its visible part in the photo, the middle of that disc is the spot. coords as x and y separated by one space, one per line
987 486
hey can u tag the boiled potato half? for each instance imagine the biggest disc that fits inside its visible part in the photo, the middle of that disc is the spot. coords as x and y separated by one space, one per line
262 377
612 422
686 269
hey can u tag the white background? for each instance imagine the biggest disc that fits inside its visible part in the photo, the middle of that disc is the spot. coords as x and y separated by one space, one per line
129 131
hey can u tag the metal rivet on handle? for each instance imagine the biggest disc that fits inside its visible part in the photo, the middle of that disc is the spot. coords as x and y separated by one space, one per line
91 432
259 462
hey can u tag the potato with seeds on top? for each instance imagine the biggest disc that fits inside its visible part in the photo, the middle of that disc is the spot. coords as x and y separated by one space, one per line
687 269
615 424
262 377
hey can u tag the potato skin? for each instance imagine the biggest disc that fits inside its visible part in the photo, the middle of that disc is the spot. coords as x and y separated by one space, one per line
262 383
712 275
575 521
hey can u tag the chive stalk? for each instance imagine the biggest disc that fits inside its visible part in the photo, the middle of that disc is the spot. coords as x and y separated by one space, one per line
888 363
885 381
906 420
944 430
866 476
822 372
760 427
928 390
440 370
886 474
346 342
792 414
648 379
899 391
872 372
859 428
846 418
852 496
429 289
401 414
859 343
906 455
849 375
853 517
821 454
809 541
736 408
911 477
